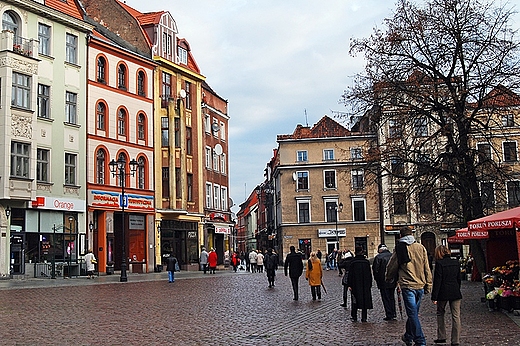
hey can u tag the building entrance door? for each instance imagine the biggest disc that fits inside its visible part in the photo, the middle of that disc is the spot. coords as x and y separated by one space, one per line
17 254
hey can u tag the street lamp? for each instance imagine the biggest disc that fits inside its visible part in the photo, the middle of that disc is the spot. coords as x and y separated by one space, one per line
337 208
118 168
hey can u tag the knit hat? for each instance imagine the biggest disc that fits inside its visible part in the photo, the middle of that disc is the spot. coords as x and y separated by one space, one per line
382 247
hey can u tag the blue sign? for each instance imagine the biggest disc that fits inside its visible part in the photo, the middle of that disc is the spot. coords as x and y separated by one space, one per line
123 201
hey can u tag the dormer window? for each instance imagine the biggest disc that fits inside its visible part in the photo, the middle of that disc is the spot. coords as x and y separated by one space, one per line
183 55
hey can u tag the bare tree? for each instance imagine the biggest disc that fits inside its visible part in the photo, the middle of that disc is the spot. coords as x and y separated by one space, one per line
434 86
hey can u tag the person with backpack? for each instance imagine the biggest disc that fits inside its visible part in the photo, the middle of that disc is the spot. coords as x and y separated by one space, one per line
270 264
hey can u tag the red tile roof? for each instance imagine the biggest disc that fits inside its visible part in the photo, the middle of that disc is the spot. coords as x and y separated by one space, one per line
501 97
325 128
68 7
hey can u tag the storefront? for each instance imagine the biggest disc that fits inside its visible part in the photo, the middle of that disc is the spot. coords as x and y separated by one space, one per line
110 227
47 236
180 238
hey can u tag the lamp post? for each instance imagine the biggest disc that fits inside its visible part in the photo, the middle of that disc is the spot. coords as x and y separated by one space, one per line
118 168
337 208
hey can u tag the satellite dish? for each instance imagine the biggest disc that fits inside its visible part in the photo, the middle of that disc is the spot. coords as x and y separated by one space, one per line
218 149
294 176
182 93
215 127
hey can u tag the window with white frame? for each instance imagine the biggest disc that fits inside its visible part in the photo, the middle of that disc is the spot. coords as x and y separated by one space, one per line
302 180
44 37
328 154
216 196
222 131
510 152
331 210
301 156
208 157
304 212
358 209
356 153
357 179
121 122
508 120
183 55
21 91
141 173
209 195
215 161
421 126
223 163
70 169
223 198
167 43
42 165
329 179
71 49
20 154
71 106
44 101
207 123
513 193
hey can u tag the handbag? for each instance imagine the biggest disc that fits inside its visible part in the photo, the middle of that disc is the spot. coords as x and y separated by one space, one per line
177 269
344 280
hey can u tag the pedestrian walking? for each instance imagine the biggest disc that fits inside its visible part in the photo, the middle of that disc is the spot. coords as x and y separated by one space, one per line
90 262
252 260
386 289
270 264
260 262
314 274
409 264
170 267
327 261
235 261
318 254
446 288
360 284
203 260
293 262
212 261
345 266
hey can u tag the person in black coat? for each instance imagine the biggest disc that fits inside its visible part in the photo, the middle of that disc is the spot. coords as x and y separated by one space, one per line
387 289
446 288
294 263
360 284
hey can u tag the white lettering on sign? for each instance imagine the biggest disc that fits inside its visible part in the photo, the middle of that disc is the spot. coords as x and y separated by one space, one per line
491 224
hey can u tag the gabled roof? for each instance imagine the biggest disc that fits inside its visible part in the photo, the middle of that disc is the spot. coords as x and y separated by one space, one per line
69 7
501 96
325 128
152 18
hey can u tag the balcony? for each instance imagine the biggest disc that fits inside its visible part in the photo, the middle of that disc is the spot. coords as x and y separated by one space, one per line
19 45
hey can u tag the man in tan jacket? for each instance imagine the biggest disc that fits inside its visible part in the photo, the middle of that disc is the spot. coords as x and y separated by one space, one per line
410 267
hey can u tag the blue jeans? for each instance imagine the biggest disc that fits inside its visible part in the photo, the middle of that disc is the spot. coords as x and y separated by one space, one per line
171 276
412 303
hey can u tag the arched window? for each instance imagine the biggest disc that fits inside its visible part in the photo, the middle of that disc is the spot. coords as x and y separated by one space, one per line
121 77
121 122
9 22
122 157
101 111
141 126
141 173
100 166
101 68
141 83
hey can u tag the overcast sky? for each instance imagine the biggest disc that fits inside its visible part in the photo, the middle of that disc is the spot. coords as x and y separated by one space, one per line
274 61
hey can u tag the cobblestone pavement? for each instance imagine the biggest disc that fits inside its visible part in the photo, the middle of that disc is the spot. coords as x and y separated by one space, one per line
222 309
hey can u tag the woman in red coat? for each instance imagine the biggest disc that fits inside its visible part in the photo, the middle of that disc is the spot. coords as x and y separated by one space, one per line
212 261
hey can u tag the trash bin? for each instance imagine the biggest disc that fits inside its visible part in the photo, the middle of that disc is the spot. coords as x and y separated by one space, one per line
110 270
159 268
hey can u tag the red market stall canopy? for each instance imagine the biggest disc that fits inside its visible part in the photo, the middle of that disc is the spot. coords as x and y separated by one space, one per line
462 235
506 219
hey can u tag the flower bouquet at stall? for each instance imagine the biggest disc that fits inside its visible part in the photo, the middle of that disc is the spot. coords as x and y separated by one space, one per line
491 297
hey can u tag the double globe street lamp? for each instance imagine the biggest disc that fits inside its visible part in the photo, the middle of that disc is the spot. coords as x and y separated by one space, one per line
337 209
118 168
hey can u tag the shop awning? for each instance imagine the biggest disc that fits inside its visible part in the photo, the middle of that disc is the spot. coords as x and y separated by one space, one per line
506 219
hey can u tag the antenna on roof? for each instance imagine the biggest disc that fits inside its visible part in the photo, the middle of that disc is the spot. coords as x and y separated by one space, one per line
306 120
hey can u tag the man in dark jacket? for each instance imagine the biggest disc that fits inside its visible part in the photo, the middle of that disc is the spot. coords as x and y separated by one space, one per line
387 289
270 264
170 267
360 284
294 263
